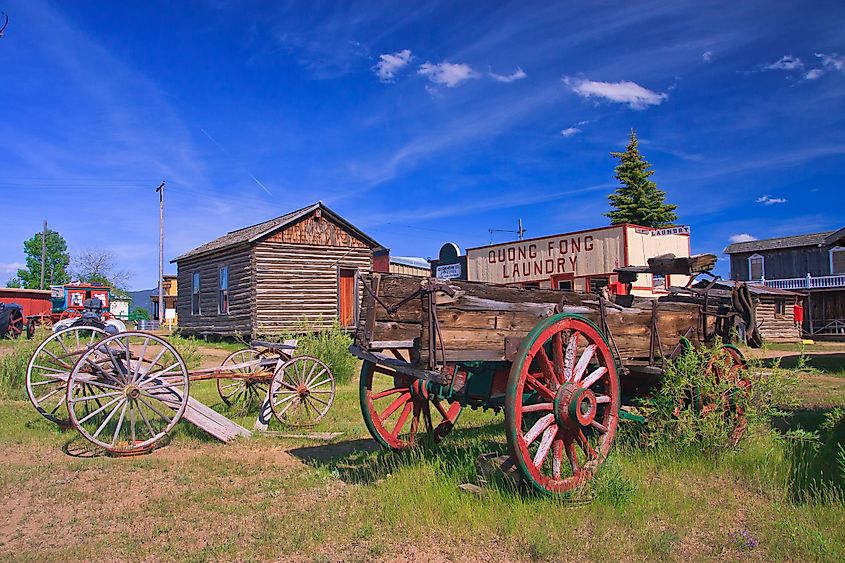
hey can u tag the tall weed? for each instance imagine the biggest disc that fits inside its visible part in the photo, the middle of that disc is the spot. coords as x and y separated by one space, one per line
331 345
13 366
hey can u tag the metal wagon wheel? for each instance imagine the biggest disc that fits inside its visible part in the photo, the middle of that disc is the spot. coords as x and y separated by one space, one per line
16 323
127 392
243 391
302 391
729 369
49 369
562 403
393 404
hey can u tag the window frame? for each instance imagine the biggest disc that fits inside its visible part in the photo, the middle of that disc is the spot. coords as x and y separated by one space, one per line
780 308
595 278
569 281
830 255
221 291
196 293
664 286
762 267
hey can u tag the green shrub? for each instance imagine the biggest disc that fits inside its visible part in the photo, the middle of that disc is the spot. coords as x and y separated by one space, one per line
693 409
13 366
188 348
332 347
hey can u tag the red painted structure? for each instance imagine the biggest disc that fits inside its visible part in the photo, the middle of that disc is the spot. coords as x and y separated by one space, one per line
33 301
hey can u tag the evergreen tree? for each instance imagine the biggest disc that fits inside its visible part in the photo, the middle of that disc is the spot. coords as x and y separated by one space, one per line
55 264
638 200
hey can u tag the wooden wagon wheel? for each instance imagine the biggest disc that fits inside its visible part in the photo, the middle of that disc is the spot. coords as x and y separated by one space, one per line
49 369
16 323
562 403
393 404
302 391
127 392
243 391
728 366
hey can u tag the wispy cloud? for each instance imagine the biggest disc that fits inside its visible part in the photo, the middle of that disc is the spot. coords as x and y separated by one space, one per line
623 92
832 61
570 131
391 63
813 74
518 74
741 237
707 56
786 62
446 73
8 270
768 200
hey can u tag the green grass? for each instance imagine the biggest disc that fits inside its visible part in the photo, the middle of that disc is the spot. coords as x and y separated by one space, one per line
268 498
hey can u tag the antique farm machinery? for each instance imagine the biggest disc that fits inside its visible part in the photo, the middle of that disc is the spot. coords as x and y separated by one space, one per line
125 392
561 365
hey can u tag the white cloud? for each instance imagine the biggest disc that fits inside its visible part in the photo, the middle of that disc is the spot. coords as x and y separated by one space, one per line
518 74
447 74
768 200
391 63
813 74
624 92
786 62
741 237
570 131
707 56
832 61
10 269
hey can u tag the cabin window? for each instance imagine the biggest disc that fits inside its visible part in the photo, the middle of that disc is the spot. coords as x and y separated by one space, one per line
223 291
658 282
780 308
756 267
195 293
837 260
598 283
565 285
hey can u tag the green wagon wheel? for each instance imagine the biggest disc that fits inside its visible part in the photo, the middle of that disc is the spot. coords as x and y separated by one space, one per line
127 392
243 391
397 407
49 369
561 404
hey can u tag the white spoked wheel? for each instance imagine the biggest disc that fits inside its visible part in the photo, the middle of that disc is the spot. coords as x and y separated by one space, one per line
302 391
127 392
243 389
49 369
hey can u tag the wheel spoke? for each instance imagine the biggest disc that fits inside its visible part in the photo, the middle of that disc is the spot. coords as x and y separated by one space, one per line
532 382
94 397
119 423
599 426
583 362
569 357
602 399
108 418
557 458
546 368
402 399
557 356
597 374
539 427
415 423
585 445
571 453
538 407
102 408
155 410
137 373
45 368
48 395
545 446
384 394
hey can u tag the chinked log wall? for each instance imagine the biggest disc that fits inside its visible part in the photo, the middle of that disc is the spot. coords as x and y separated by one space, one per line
774 327
210 321
298 283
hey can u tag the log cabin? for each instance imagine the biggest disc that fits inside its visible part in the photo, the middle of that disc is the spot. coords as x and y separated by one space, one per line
289 273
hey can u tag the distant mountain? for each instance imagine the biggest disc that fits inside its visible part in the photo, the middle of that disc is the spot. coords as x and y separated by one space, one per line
142 299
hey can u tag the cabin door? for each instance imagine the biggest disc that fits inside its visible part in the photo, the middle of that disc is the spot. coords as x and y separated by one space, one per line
346 298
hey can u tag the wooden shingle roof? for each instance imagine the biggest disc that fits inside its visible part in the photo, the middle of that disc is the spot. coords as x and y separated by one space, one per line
812 239
255 232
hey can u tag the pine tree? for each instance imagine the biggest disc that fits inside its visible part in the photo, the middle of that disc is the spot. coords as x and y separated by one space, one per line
638 200
56 263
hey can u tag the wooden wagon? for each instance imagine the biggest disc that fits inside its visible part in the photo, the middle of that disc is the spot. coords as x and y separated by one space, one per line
125 392
560 364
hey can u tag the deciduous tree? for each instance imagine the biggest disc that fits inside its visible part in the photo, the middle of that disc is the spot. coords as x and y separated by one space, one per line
55 264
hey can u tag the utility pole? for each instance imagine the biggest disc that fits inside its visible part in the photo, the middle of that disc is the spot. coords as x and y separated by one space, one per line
520 231
43 252
160 191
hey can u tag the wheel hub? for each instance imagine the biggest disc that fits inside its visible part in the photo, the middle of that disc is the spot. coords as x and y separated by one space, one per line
303 391
574 406
132 391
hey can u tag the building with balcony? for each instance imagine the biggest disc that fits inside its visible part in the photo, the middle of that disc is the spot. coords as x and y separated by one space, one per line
813 264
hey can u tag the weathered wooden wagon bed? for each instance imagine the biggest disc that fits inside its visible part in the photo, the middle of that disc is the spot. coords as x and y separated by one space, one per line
125 392
552 360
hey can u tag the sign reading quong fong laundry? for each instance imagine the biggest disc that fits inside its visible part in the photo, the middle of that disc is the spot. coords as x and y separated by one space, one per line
579 254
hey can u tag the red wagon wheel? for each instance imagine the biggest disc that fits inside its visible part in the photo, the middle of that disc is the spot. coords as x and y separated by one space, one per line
562 403
393 405
728 366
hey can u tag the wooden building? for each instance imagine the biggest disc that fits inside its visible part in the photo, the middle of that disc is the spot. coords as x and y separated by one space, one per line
774 308
410 266
170 285
276 276
581 260
813 264
32 301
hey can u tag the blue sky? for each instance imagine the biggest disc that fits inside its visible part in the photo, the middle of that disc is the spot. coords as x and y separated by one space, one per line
420 122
